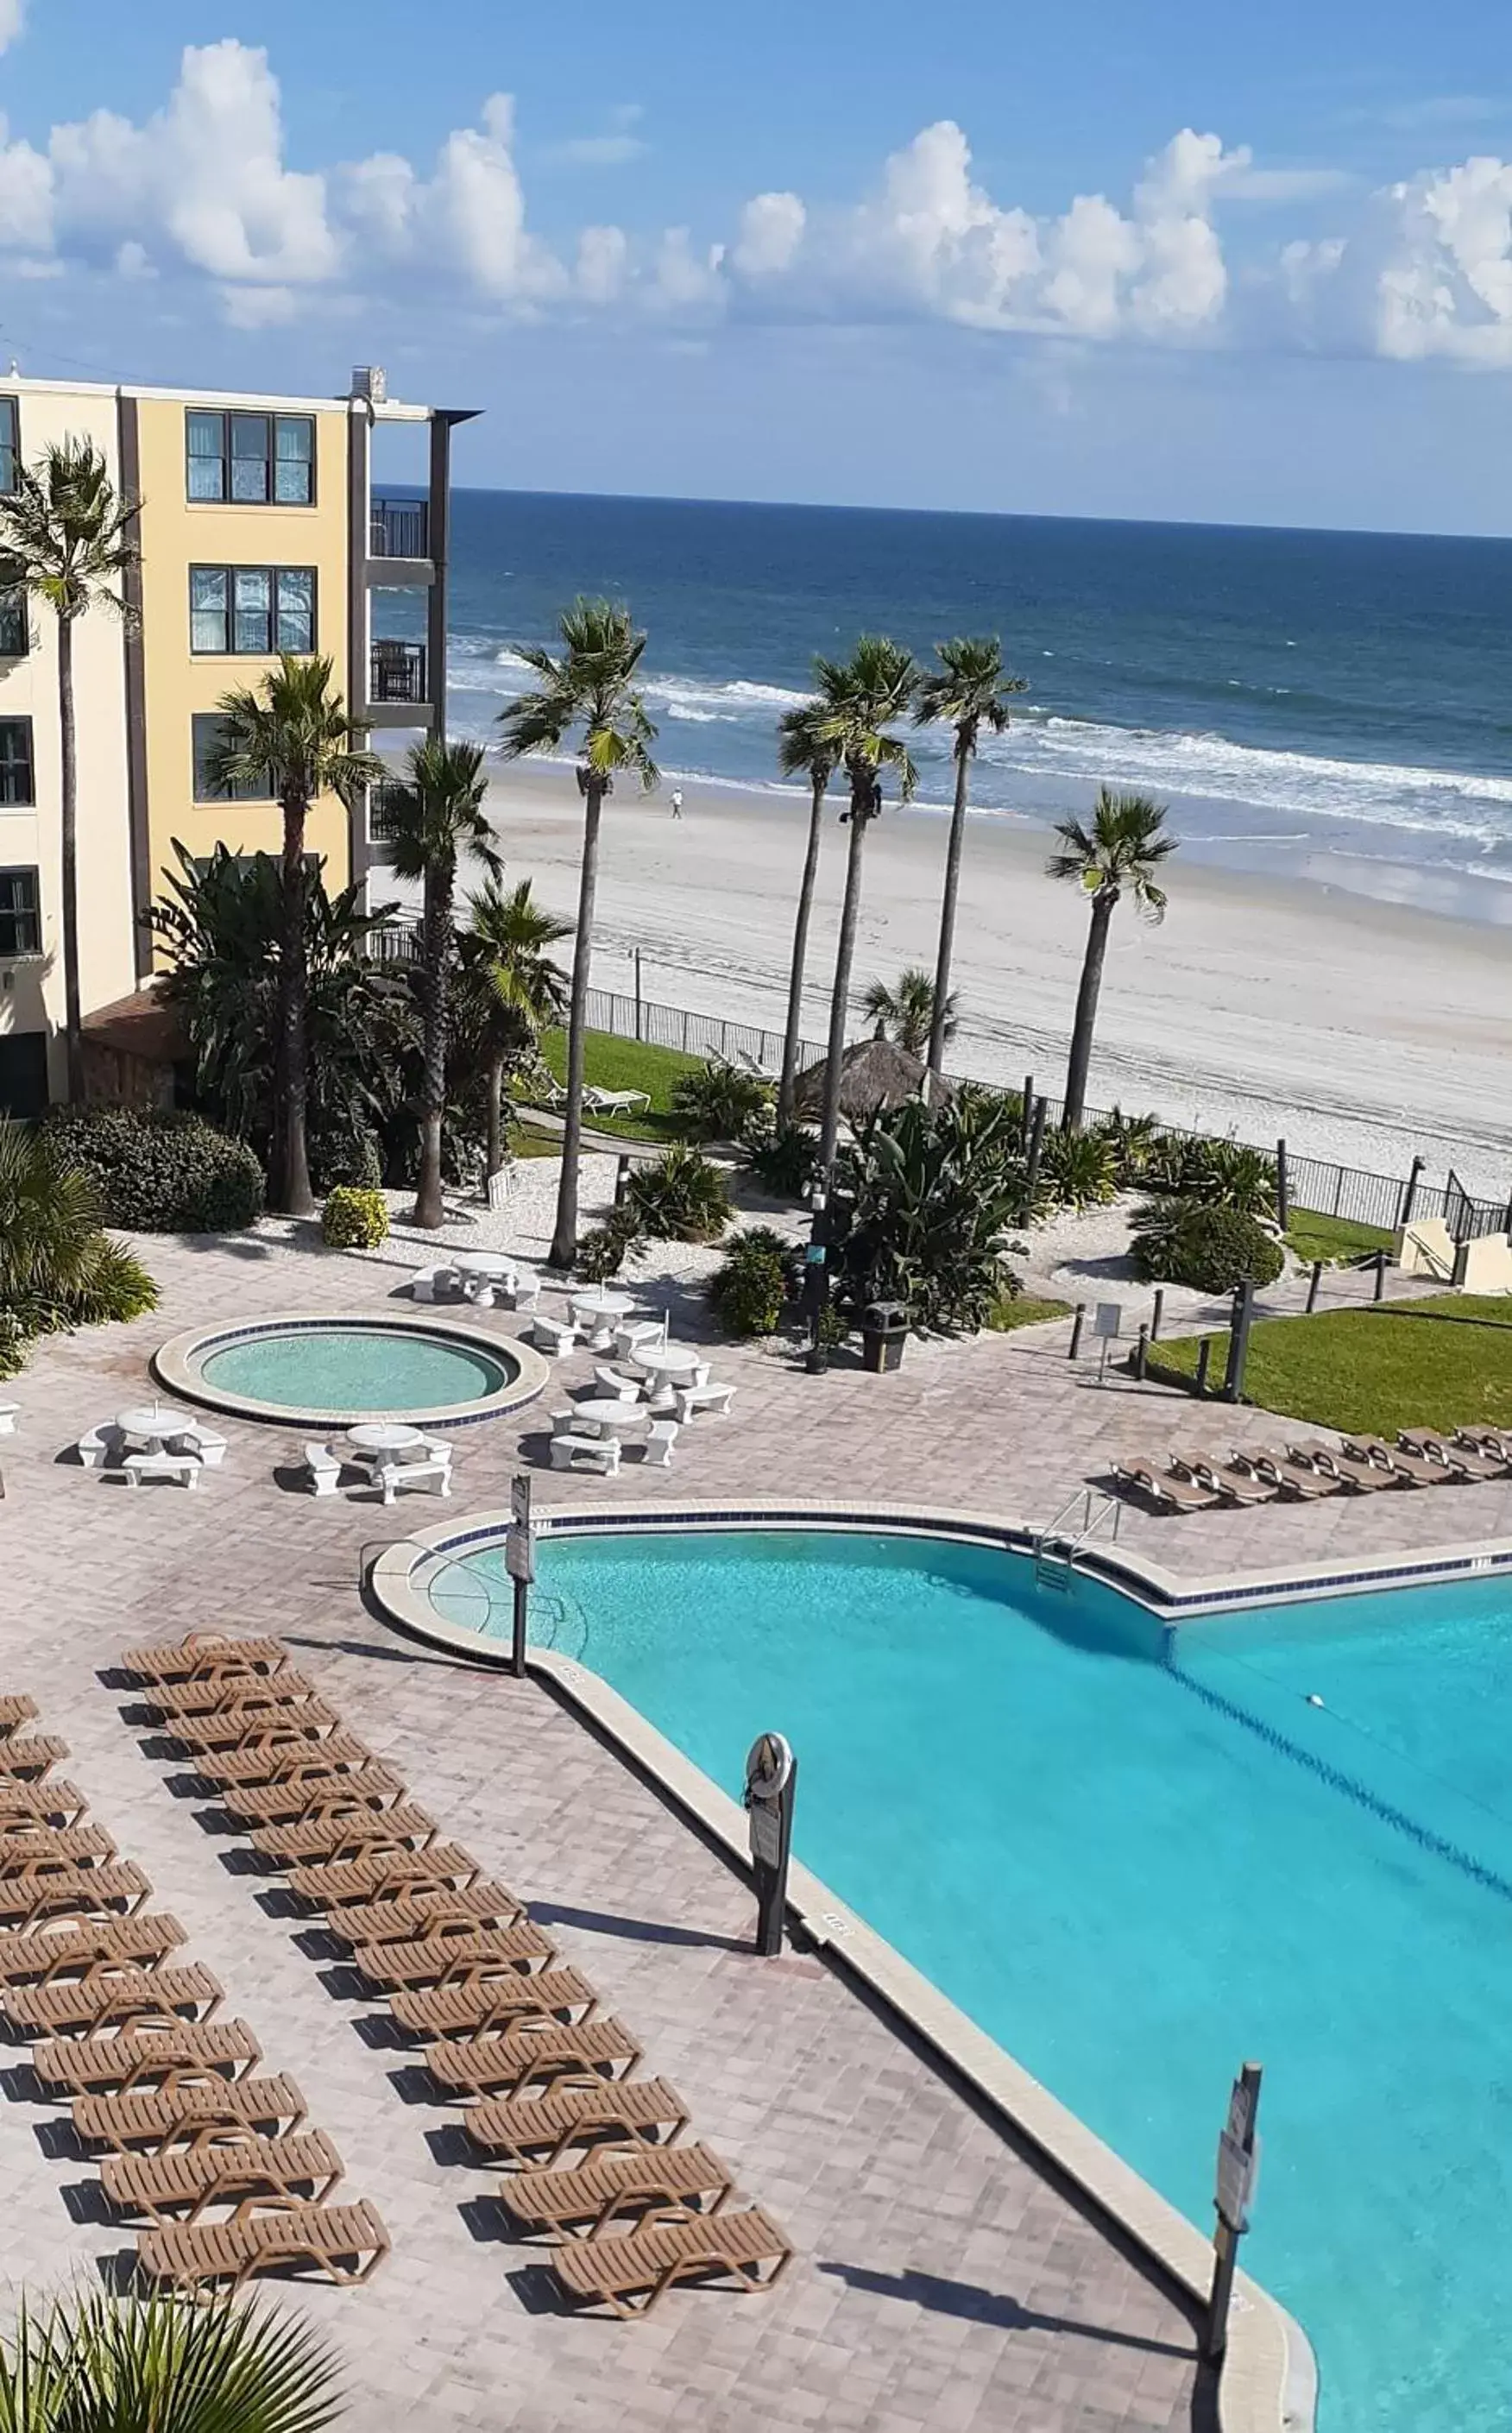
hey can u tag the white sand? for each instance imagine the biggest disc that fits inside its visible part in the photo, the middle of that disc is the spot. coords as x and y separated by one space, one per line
1359 1030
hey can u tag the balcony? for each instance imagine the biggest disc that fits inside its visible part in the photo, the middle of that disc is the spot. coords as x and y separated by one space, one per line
398 673
399 528
383 813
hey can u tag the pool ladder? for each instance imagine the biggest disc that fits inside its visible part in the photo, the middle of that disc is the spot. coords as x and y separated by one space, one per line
1056 1546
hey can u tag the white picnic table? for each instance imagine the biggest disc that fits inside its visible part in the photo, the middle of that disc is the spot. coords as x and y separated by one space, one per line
150 1425
385 1436
602 1412
491 1265
668 1359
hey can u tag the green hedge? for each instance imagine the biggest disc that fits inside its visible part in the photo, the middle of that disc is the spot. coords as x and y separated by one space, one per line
353 1219
160 1172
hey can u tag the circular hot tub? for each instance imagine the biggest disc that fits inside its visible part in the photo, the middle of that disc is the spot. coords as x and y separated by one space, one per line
331 1370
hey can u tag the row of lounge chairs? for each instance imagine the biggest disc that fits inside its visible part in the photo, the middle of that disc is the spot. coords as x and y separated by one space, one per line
125 2033
507 2029
1363 1465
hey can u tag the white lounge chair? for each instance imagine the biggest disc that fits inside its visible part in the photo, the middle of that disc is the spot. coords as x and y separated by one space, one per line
433 1470
660 1439
10 1414
616 1102
707 1397
324 1469
196 1438
433 1284
617 1384
181 1467
570 1452
555 1336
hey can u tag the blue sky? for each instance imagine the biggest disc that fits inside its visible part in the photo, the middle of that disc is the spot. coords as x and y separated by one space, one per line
1174 261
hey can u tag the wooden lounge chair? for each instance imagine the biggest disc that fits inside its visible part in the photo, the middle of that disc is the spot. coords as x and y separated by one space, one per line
137 1995
284 1761
452 1958
42 1850
227 1694
1233 1478
55 1802
1495 1443
168 2059
249 1727
227 2170
443 1912
321 1795
1366 1477
385 1875
339 1837
1414 1467
1459 1459
629 2274
203 1655
1165 1488
1302 1479
507 2065
189 2116
610 2188
40 1957
73 1894
33 1755
343 2243
457 2013
14 1711
575 2115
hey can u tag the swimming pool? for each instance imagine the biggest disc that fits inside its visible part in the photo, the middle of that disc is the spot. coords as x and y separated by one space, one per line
325 1372
1138 1857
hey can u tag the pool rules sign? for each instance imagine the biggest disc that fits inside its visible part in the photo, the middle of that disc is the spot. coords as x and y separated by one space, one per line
1238 2171
770 1784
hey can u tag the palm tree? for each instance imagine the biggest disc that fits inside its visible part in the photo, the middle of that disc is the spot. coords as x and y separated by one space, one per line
98 2362
58 1266
590 690
514 990
294 740
801 751
432 821
905 1011
967 691
1118 854
70 542
860 700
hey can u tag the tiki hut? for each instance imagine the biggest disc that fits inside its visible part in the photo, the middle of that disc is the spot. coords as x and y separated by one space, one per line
875 1074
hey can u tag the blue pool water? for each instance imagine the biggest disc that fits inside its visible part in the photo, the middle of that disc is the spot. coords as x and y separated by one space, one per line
1139 1859
353 1368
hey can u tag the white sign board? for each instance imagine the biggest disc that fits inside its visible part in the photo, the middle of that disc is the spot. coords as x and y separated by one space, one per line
519 1501
520 1556
1108 1318
1238 2171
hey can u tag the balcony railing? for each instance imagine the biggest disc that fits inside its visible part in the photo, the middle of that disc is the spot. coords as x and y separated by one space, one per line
399 528
397 673
383 813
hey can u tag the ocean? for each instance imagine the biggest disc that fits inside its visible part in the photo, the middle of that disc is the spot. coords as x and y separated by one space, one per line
1332 705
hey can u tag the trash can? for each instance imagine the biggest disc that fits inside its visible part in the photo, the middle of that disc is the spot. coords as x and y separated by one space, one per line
884 1333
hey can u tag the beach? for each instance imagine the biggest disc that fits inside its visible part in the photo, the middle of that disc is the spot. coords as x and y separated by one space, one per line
1268 1008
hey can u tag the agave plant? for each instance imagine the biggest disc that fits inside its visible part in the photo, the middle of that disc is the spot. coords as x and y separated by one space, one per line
1081 1168
934 1191
680 1197
103 2364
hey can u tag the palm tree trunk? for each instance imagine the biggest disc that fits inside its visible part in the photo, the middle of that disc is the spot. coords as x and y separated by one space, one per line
496 1113
948 912
1076 1079
564 1240
800 953
72 1014
861 791
429 1210
291 1076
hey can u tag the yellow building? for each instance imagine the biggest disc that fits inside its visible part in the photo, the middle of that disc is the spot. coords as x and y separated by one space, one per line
260 530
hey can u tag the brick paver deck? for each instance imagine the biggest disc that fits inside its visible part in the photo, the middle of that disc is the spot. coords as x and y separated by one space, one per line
943 2280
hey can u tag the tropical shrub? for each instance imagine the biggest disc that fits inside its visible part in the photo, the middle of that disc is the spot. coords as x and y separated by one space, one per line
96 2361
353 1219
1133 1140
58 1267
1228 1175
680 1197
932 1191
1212 1248
1080 1170
720 1101
784 1159
603 1253
748 1293
157 1171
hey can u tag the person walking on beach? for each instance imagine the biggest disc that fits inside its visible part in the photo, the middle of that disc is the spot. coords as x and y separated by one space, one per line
677 802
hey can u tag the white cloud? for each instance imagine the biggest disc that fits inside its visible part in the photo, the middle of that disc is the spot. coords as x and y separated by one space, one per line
1444 283
771 230
12 21
598 151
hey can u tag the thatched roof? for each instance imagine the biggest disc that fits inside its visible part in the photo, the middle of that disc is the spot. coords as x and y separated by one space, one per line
873 1073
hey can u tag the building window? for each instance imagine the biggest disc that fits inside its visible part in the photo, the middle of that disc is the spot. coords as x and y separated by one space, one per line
16 784
251 460
22 1073
207 730
10 443
251 611
15 622
20 913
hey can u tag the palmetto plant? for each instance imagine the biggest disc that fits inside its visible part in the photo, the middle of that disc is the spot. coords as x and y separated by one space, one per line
511 991
969 689
680 1197
904 1012
69 540
1081 1168
1120 852
588 692
857 705
105 2364
292 739
435 818
803 750
58 1267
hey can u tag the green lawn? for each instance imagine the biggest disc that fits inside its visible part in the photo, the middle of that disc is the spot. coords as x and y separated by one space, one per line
611 1063
1026 1311
1334 1240
1444 1362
